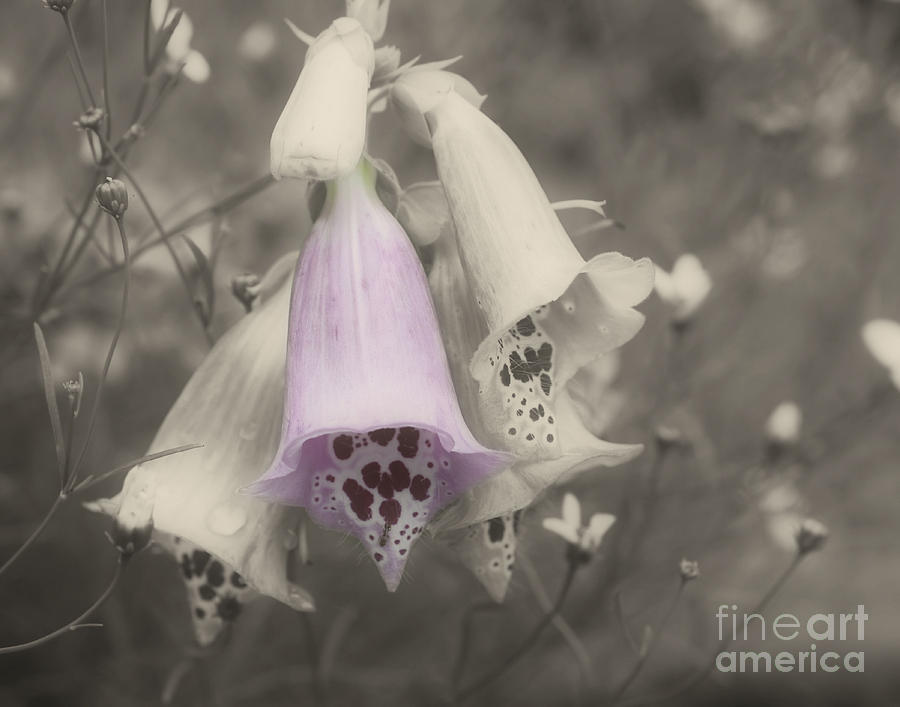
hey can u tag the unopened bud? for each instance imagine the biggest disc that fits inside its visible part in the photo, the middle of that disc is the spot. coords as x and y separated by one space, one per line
91 119
668 436
112 197
811 536
245 288
61 6
689 569
783 425
74 388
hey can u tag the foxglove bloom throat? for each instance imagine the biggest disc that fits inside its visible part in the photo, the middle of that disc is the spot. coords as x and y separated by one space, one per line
373 441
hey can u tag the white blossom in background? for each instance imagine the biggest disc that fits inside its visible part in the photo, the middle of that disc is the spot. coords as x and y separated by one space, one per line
8 82
783 509
892 103
746 24
585 537
882 338
179 50
834 159
258 42
784 423
685 288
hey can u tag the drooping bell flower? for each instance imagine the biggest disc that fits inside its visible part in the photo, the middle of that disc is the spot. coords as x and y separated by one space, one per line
228 545
373 441
463 327
488 550
548 312
321 133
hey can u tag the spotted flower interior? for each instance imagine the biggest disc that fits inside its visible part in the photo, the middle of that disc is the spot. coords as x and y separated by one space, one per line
488 549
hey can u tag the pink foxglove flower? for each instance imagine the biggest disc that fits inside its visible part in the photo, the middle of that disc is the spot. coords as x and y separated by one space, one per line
574 448
321 133
226 543
373 441
548 312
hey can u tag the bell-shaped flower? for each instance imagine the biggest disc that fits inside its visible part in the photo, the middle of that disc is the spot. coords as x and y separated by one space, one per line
882 339
548 312
232 406
178 50
373 441
685 288
488 550
321 133
572 449
586 538
371 14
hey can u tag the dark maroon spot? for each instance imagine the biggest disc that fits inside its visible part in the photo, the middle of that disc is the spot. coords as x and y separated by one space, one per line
186 566
419 487
496 529
408 442
402 552
511 430
215 575
529 437
525 326
546 383
206 592
520 412
343 446
360 499
517 519
533 414
378 557
550 419
504 375
371 473
385 487
549 438
390 511
229 608
199 560
237 580
199 613
382 436
396 542
330 477
399 475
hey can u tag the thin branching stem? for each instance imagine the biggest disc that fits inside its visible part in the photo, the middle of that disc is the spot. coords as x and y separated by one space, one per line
527 644
147 37
106 98
78 60
35 534
75 624
459 664
642 660
120 325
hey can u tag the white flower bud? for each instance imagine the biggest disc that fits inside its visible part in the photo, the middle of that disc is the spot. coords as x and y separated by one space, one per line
321 133
783 425
420 89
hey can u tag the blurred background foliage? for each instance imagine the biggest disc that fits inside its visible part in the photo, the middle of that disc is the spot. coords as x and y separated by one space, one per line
759 134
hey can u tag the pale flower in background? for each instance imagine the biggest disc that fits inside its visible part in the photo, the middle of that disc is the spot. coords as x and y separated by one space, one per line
8 82
744 23
586 538
685 288
179 50
784 423
882 338
321 132
258 41
834 159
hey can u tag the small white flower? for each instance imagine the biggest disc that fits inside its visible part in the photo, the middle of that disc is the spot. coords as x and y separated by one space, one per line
783 425
179 50
882 338
685 288
569 528
258 42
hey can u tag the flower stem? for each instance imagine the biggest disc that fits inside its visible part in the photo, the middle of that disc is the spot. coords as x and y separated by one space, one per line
120 325
106 100
464 642
701 676
529 641
642 660
75 623
57 502
79 62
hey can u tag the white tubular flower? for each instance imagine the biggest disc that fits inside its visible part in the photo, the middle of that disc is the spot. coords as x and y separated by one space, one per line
420 89
231 405
488 550
572 449
548 312
179 50
586 538
685 288
371 14
882 339
783 425
321 133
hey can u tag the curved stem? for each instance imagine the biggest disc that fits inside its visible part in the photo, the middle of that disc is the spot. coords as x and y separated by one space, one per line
527 644
74 624
120 324
57 502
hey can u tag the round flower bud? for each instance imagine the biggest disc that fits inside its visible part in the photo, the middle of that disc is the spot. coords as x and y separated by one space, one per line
91 119
245 288
811 536
689 569
61 6
112 197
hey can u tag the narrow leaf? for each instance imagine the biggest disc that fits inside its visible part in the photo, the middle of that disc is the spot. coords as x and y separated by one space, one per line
206 277
50 395
165 34
91 480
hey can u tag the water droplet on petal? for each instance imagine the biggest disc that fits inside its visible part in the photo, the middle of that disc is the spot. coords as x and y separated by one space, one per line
226 519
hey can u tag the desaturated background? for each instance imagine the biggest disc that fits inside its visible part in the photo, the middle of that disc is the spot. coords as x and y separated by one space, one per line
759 134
